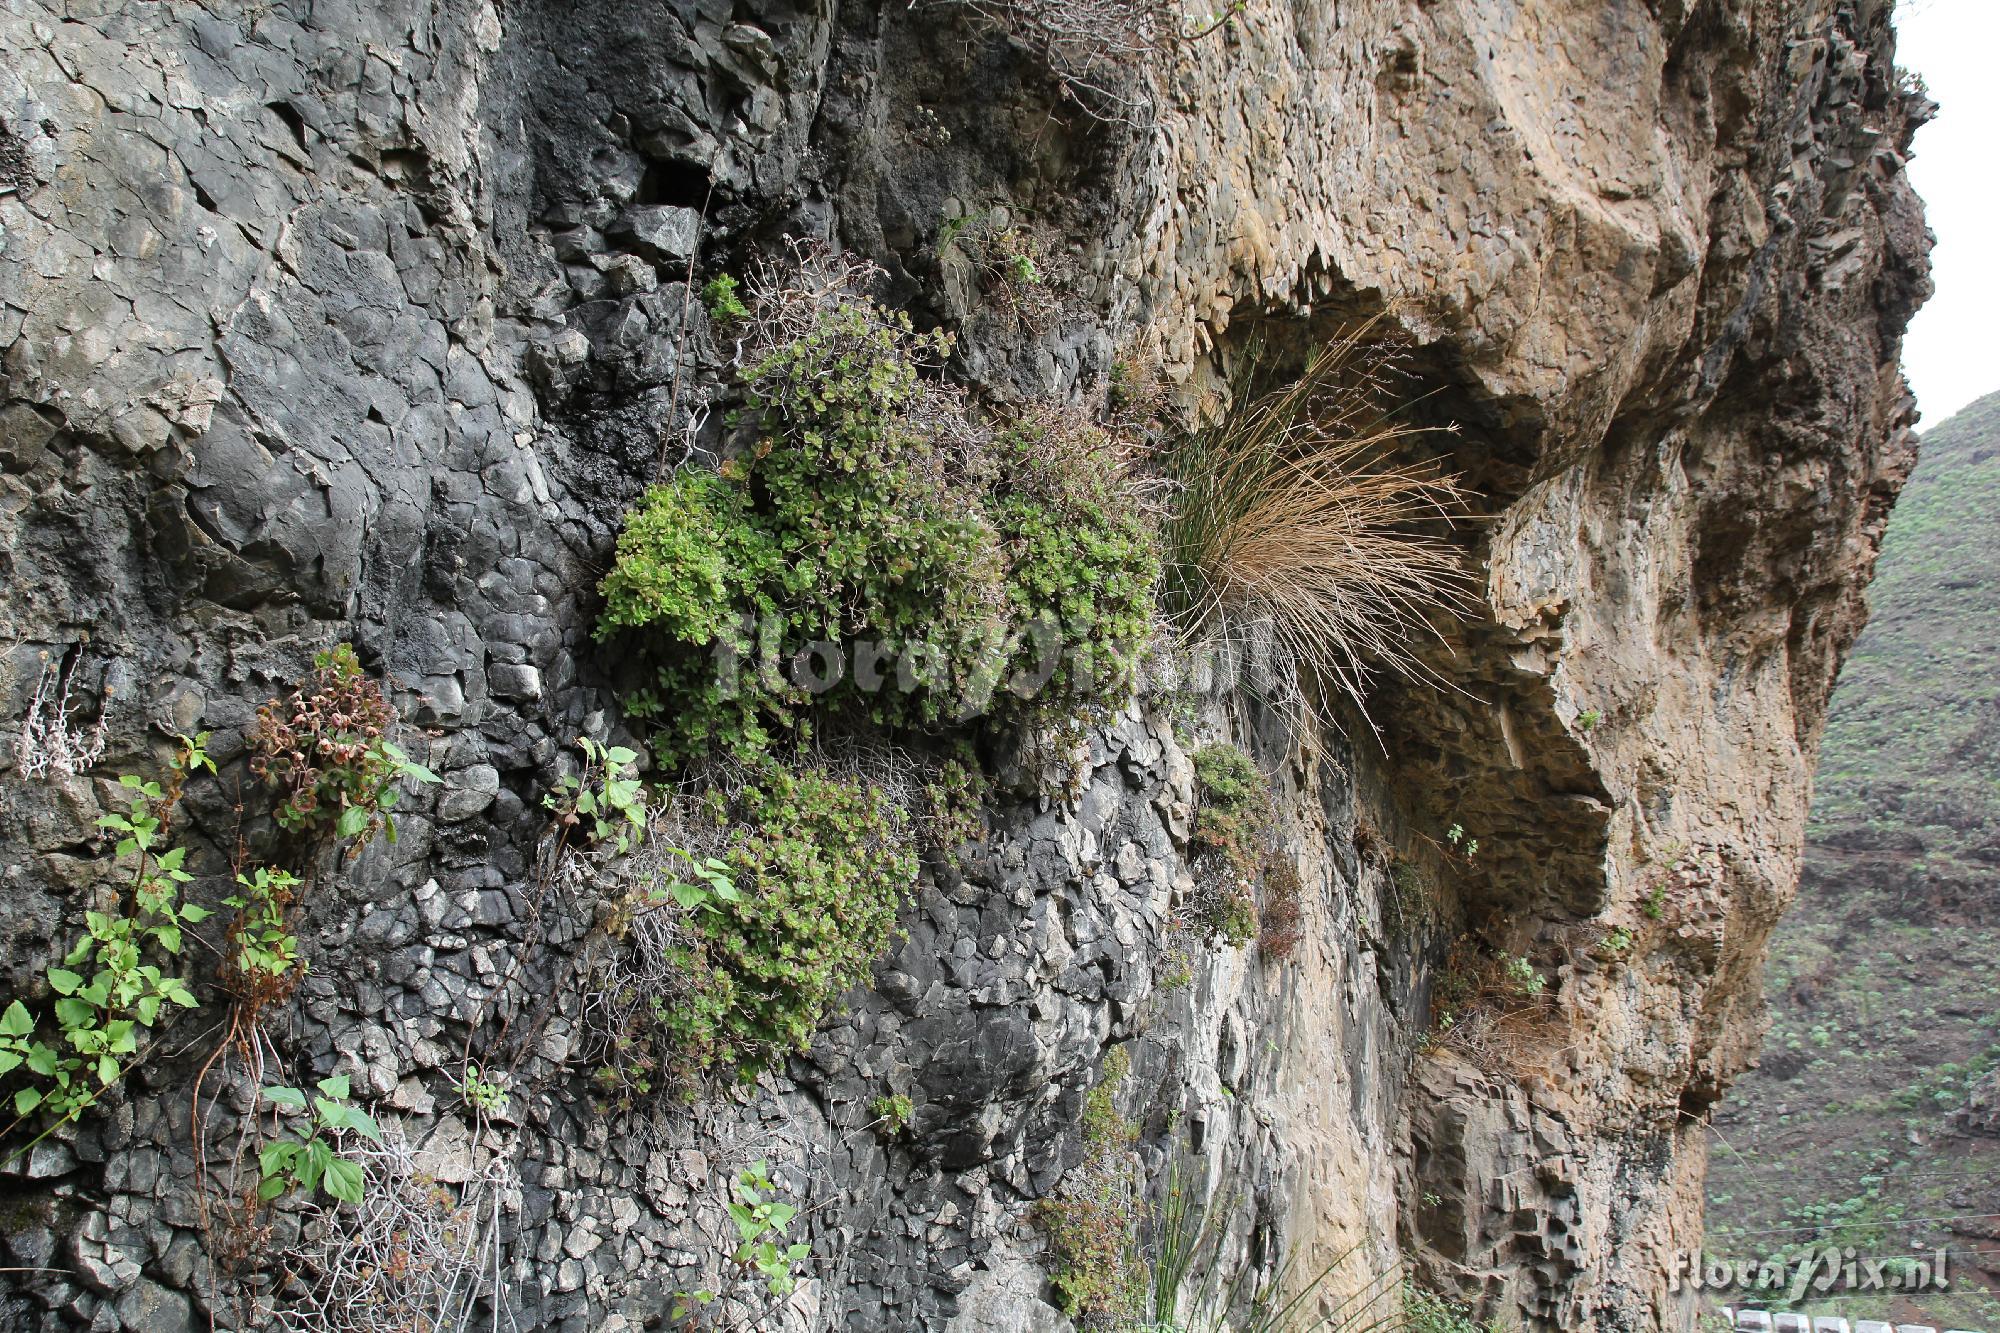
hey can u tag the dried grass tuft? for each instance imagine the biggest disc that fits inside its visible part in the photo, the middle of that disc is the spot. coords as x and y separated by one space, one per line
1299 516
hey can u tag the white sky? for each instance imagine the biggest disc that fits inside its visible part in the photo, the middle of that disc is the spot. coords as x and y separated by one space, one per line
1950 352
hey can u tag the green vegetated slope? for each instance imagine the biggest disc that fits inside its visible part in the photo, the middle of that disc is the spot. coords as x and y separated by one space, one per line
1874 1120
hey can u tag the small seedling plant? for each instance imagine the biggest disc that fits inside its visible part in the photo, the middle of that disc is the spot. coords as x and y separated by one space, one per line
708 885
892 1114
485 1093
606 802
312 1163
761 1219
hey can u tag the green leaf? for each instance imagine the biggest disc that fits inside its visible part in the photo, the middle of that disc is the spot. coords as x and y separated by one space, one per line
26 1100
343 1180
271 1187
107 1070
148 1009
169 938
291 1097
335 1087
278 1156
194 915
748 1224
171 858
74 1013
351 822
64 981
618 756
332 1114
313 1163
16 1022
43 1060
363 1124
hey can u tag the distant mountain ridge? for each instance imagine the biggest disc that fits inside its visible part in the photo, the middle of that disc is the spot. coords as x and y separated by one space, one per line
1873 1105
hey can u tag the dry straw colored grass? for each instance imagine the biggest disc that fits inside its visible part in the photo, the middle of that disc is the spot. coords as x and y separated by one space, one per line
1299 514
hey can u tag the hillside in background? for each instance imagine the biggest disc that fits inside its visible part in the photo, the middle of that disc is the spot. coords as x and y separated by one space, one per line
1874 1118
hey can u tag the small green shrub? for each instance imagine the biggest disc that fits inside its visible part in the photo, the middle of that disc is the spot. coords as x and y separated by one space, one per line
607 802
1523 976
1233 814
1232 837
877 552
725 306
892 1114
1427 1312
263 955
485 1093
1655 905
819 871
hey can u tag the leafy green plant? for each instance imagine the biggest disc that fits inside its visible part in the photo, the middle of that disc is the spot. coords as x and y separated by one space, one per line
1461 842
1233 814
892 1113
1523 976
761 1218
720 295
1655 904
1587 720
484 1093
875 517
313 1162
1616 941
106 988
808 899
1232 837
329 751
1427 1312
606 801
262 947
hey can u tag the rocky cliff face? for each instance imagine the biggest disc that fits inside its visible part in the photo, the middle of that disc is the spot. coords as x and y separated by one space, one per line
327 323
